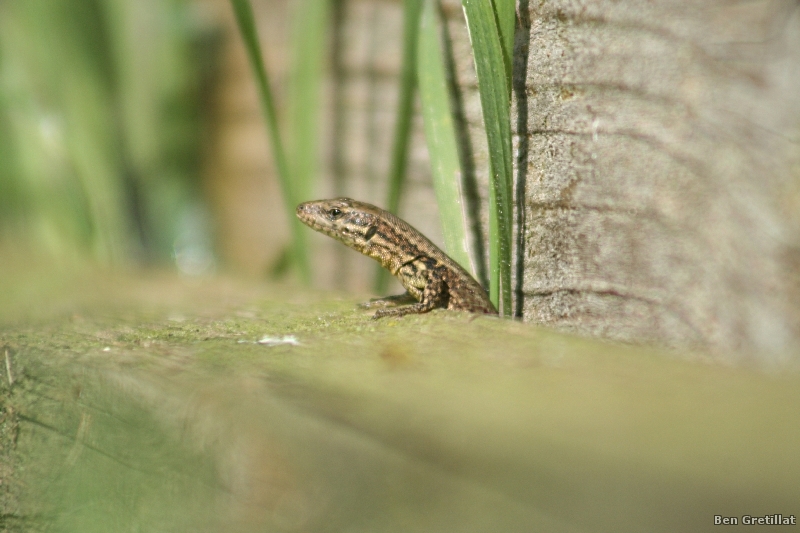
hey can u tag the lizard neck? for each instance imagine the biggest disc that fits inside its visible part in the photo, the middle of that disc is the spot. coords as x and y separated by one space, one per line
391 247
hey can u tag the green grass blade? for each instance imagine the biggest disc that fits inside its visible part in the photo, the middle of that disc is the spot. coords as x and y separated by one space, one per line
494 94
247 28
310 46
506 18
440 134
411 15
402 130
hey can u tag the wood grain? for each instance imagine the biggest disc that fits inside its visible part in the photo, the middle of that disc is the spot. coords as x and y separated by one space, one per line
658 147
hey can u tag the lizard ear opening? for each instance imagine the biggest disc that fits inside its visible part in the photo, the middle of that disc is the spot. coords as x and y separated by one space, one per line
371 231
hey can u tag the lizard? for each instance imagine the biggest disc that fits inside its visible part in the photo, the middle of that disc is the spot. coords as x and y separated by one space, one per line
431 278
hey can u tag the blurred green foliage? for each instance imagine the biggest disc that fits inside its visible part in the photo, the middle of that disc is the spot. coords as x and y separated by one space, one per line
100 127
102 114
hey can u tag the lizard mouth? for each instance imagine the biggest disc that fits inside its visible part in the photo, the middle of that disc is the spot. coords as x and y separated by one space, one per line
304 213
311 215
314 215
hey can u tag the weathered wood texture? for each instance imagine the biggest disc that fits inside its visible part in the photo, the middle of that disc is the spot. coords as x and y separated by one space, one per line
659 159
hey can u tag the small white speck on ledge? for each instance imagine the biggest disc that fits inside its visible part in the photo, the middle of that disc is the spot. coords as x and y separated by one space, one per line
278 341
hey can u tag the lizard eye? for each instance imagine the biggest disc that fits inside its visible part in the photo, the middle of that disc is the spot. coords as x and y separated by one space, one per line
334 213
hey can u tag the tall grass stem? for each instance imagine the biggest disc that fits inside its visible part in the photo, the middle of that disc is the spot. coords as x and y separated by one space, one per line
494 88
412 10
440 134
246 23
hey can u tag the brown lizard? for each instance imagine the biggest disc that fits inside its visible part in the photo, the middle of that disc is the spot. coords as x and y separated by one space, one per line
430 277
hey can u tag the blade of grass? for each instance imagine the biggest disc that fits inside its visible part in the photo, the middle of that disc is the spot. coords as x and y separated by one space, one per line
495 97
309 32
402 130
244 19
440 135
506 18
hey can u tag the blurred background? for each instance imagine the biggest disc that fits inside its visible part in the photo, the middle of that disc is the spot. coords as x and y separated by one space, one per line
131 133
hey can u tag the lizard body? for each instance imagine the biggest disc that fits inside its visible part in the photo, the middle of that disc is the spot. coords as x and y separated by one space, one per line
429 276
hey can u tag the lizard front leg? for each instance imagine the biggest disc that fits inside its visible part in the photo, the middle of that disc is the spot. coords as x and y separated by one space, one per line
389 301
434 295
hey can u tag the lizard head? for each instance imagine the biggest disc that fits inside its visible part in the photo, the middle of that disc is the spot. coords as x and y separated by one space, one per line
352 222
